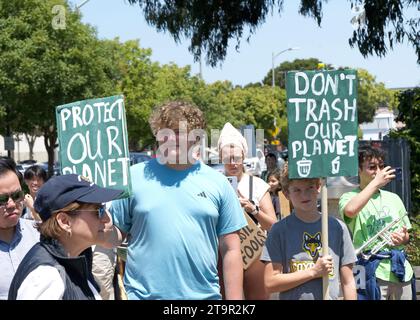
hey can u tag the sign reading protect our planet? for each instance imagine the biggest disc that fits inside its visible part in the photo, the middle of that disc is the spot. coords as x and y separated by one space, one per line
93 141
322 121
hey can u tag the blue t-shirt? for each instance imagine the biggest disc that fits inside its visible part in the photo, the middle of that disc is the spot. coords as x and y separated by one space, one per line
174 219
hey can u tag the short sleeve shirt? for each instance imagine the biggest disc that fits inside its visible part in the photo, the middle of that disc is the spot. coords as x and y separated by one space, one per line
174 219
383 208
296 245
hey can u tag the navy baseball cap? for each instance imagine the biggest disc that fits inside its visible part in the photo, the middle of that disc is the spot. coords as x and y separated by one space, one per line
60 191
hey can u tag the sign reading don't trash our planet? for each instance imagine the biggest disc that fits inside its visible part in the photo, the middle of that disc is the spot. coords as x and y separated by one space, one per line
322 123
93 141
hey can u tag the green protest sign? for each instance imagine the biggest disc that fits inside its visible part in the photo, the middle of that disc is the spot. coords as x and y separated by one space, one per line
93 141
322 123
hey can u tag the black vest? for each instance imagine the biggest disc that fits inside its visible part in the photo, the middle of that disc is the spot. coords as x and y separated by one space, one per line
75 271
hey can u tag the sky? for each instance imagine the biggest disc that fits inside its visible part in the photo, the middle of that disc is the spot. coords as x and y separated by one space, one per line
253 59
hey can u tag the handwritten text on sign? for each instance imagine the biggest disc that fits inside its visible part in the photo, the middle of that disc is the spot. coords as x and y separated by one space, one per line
252 242
322 119
93 141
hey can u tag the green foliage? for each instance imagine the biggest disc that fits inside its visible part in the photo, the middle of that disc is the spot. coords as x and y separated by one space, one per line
413 247
136 74
42 66
371 96
146 84
259 106
371 37
284 133
296 65
409 113
212 24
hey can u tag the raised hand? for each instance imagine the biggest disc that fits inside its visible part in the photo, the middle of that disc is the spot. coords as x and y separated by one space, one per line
384 176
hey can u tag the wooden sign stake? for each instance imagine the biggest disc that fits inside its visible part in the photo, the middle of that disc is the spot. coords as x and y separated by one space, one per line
324 206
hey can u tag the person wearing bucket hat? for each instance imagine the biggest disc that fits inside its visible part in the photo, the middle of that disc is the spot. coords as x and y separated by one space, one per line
73 219
254 198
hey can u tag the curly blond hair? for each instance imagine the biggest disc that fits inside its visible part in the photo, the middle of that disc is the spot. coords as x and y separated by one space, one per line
170 114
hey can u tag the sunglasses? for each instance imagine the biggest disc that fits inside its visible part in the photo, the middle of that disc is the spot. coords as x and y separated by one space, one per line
16 196
100 212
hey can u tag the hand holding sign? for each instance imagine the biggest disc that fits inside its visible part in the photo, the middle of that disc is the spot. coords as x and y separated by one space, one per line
246 204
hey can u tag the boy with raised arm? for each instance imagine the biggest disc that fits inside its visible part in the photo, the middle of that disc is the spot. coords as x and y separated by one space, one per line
366 211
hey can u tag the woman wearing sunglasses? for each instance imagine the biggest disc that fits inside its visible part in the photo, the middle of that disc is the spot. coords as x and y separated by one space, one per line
73 219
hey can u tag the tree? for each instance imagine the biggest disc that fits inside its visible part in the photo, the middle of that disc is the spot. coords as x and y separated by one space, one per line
145 85
409 113
212 24
297 64
371 96
136 75
43 66
31 137
259 106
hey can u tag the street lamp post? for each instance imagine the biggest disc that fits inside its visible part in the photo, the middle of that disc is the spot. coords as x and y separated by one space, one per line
82 4
275 55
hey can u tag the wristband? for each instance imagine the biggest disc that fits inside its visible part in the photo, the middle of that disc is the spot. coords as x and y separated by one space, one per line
255 211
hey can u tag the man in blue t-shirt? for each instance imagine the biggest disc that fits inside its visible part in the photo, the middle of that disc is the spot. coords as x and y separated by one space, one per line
180 213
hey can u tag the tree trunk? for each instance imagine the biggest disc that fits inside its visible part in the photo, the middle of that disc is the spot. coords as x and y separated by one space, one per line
31 142
50 139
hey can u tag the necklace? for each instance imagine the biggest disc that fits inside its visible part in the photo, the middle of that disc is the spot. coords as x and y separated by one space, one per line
379 213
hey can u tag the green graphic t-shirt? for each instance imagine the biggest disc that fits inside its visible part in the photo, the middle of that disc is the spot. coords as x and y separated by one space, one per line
383 208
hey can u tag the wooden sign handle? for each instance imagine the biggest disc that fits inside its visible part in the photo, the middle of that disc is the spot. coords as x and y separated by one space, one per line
285 207
325 251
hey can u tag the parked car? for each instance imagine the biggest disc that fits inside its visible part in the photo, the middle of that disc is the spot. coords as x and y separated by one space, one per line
28 162
56 168
25 164
44 165
20 168
255 165
137 157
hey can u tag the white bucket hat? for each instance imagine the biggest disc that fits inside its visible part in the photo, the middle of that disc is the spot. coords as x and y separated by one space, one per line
230 135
